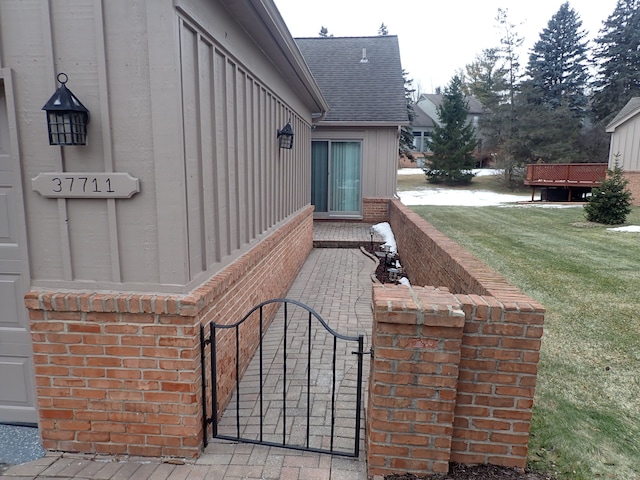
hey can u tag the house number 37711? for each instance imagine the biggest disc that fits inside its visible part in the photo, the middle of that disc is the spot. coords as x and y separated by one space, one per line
85 185
62 183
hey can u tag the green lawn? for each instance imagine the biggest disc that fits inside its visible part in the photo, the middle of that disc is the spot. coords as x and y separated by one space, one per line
586 421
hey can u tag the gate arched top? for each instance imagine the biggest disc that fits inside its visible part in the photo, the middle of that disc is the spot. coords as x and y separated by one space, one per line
294 302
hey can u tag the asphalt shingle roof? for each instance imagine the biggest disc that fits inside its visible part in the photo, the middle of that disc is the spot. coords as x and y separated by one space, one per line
475 107
421 119
356 91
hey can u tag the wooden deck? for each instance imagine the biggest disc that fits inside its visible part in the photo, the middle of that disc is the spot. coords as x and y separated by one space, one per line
564 181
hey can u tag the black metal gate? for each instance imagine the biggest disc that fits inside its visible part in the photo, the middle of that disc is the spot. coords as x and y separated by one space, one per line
286 429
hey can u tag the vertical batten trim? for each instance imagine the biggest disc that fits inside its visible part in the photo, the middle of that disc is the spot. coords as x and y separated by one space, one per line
103 88
185 159
199 131
263 153
225 161
205 87
167 137
63 221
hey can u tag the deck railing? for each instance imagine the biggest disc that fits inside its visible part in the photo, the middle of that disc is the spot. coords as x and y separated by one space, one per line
566 174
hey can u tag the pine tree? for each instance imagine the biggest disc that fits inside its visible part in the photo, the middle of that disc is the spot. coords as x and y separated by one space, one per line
486 80
611 202
504 115
510 42
617 57
383 30
557 64
550 106
324 32
406 132
453 140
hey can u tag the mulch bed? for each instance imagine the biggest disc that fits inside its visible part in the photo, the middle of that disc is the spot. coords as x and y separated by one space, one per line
476 472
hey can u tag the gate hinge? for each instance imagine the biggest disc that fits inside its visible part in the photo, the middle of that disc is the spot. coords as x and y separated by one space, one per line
370 352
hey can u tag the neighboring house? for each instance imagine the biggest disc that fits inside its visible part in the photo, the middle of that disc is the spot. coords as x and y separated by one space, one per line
355 146
625 145
429 103
180 201
422 125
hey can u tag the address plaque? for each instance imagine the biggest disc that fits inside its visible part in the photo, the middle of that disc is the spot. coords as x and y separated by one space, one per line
85 185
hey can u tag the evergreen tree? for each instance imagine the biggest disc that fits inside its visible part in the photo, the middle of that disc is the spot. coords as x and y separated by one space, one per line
486 80
510 42
505 116
544 134
453 140
551 103
611 202
324 32
383 30
505 113
557 64
617 58
406 132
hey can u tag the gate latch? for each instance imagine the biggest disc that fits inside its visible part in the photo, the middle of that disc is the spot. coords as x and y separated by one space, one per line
370 352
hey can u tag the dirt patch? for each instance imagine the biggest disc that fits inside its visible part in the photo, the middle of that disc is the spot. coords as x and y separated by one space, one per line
476 472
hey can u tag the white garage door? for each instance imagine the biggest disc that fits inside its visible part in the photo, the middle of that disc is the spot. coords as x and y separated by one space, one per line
17 392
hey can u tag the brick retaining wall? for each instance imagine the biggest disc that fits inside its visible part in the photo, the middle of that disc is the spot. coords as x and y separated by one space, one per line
464 391
375 210
120 373
634 186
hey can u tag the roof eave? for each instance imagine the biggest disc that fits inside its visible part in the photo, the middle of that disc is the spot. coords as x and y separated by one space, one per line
263 22
355 123
617 122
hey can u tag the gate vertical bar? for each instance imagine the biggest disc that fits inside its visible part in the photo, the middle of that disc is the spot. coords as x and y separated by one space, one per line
261 373
359 395
238 380
333 392
203 372
214 377
309 381
284 381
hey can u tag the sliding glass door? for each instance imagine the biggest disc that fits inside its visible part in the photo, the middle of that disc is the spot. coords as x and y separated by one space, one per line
335 182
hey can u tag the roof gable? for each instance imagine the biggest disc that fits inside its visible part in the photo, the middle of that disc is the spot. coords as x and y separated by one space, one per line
422 119
475 107
358 90
630 110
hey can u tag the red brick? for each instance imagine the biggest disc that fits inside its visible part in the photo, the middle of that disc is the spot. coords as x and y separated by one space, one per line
512 439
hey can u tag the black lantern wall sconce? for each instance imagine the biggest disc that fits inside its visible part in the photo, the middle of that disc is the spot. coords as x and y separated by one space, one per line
67 117
285 137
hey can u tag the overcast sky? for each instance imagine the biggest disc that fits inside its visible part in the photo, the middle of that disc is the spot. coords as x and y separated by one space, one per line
436 38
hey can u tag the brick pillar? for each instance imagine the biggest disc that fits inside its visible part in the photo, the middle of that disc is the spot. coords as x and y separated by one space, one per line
417 341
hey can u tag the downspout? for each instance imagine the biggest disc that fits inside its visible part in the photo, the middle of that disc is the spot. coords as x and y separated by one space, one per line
318 116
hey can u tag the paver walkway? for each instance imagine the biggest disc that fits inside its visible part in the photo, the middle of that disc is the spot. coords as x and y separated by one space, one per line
336 283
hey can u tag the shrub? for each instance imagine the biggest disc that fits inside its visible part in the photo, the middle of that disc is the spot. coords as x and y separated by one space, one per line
611 202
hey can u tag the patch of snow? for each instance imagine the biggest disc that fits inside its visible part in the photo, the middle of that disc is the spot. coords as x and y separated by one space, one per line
478 172
630 228
462 198
550 205
384 230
